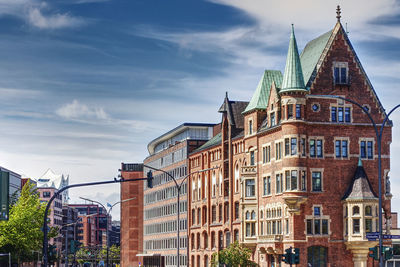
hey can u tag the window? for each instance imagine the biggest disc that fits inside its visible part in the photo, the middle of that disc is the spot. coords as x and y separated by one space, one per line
368 225
250 188
340 70
303 146
293 184
272 119
289 111
287 153
269 185
265 192
250 224
341 148
341 114
317 256
319 148
356 226
46 194
316 182
333 114
368 211
356 210
252 160
303 181
278 183
250 127
220 212
347 114
298 111
366 149
236 235
278 151
193 216
266 154
293 146
317 224
236 210
214 213
312 148
198 216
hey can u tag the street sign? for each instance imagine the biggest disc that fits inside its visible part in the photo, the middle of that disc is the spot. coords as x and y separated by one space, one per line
372 235
375 235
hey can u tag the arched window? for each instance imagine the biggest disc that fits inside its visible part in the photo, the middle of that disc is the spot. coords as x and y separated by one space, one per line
236 235
213 239
198 240
356 210
220 183
192 241
253 215
317 256
214 184
247 215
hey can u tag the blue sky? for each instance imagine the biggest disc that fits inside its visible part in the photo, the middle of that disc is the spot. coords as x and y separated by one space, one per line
86 84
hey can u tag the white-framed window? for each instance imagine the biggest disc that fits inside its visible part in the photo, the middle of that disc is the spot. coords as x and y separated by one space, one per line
316 145
317 224
367 148
250 224
316 180
250 185
341 73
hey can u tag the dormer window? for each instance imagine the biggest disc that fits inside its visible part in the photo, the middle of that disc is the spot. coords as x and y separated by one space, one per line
340 73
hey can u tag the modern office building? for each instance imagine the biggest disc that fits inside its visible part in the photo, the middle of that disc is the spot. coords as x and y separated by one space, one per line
169 153
115 233
11 182
295 168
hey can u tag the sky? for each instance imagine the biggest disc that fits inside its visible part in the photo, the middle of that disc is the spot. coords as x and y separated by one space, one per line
87 84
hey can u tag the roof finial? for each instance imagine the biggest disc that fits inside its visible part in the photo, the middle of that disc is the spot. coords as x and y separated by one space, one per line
338 13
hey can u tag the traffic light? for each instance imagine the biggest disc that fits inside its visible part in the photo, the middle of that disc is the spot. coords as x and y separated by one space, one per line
387 253
287 257
296 256
149 179
374 253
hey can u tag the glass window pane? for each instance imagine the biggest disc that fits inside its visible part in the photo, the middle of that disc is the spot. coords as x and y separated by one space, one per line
333 114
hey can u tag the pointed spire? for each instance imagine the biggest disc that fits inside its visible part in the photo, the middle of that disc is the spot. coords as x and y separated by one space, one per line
293 79
359 162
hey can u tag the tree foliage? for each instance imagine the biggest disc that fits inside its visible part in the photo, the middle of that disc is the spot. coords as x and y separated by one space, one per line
21 234
234 256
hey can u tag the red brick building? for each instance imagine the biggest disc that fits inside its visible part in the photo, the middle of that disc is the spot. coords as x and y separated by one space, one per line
294 168
131 215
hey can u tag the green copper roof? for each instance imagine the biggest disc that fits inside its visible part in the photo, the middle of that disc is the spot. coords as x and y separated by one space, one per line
216 140
293 77
261 95
311 55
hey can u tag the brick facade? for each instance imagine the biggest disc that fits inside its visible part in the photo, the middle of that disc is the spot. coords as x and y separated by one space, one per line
301 151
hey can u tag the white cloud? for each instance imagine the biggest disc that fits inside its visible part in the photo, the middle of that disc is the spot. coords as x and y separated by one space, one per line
76 110
39 20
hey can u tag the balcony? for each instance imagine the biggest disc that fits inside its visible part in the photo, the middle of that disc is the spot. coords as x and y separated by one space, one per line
249 170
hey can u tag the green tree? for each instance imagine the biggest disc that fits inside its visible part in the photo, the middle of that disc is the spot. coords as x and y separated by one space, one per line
22 234
234 256
113 255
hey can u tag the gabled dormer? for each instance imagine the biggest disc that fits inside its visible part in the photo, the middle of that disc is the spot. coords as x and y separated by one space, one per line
256 111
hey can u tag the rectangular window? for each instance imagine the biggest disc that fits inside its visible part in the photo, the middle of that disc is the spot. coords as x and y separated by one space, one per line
261 228
278 151
316 182
344 148
356 226
272 116
293 184
236 210
324 227
220 212
289 111
338 148
340 114
287 180
363 150
250 126
303 146
214 214
268 185
343 76
293 146
312 148
347 116
370 149
268 154
337 75
317 227
333 114
248 229
287 147
298 111
309 227
264 154
368 225
303 181
250 188
252 162
279 183
319 149
265 186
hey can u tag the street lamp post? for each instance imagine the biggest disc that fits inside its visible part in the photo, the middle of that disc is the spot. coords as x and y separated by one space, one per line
178 188
108 214
379 133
